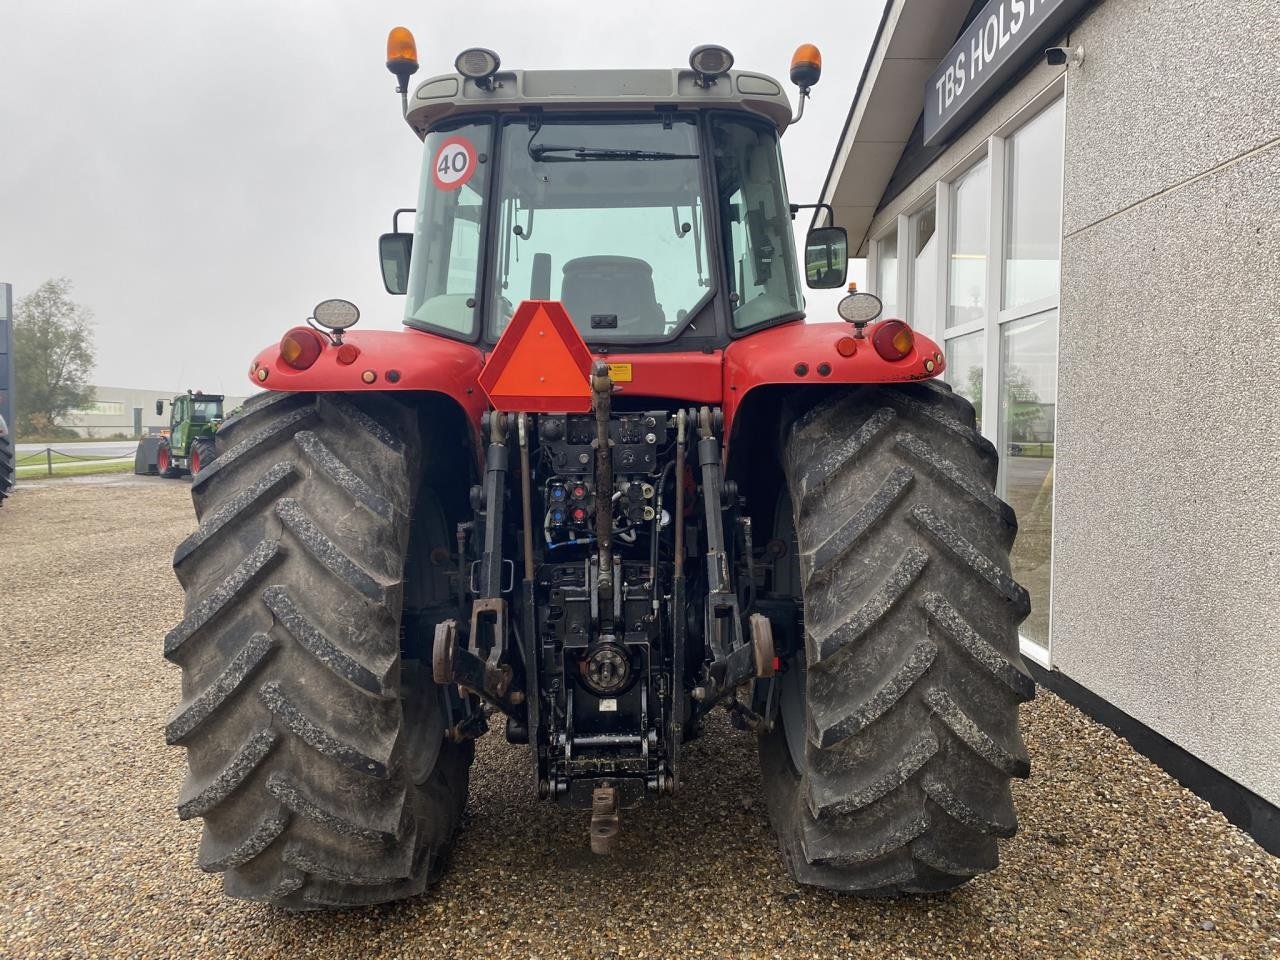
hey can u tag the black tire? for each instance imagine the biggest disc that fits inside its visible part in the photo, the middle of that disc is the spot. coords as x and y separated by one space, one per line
890 766
7 467
203 453
316 751
162 450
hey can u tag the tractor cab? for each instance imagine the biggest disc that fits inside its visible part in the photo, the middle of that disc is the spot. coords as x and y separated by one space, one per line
650 203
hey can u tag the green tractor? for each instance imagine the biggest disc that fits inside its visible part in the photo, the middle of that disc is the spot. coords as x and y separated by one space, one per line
193 420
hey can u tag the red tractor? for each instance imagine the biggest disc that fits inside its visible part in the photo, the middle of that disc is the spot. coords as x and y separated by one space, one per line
607 480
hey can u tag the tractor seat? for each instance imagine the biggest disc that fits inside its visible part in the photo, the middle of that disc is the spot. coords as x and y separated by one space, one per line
617 285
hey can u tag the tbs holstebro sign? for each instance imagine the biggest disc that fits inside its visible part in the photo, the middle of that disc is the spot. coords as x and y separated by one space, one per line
992 48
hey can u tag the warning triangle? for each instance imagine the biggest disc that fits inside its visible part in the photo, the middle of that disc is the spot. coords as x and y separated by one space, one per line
540 363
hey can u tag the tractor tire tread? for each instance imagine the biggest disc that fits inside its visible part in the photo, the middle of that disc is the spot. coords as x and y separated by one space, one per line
314 793
913 676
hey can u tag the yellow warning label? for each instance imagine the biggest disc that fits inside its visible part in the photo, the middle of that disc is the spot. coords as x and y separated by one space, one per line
620 372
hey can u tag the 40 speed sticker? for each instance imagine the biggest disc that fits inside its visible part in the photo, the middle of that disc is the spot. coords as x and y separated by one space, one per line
454 163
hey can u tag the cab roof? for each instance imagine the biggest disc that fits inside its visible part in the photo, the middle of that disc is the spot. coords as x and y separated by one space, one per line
450 95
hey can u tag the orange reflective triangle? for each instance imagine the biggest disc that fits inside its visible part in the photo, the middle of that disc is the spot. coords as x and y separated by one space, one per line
540 363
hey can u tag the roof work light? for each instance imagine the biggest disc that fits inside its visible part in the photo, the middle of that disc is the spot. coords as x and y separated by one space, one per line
478 64
710 61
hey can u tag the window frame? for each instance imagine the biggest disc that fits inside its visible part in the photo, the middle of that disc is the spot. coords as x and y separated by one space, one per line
995 150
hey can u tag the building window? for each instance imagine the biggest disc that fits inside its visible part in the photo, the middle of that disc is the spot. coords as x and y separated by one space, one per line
964 369
967 280
1033 210
1002 352
1028 397
887 272
924 268
99 408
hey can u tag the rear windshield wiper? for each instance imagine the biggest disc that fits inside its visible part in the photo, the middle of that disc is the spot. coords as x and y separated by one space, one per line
549 153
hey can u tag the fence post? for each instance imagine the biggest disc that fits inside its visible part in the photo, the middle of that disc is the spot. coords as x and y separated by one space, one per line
48 453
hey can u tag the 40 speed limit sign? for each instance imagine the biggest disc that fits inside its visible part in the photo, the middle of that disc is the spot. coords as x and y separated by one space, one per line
454 163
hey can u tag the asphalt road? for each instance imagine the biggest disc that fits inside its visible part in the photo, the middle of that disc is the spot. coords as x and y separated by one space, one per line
1114 859
91 448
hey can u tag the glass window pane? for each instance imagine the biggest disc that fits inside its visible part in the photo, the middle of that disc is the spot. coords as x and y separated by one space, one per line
964 369
1033 229
924 269
970 207
887 272
754 210
618 238
444 269
1028 396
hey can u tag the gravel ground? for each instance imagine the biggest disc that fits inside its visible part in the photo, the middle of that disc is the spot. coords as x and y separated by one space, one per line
1114 858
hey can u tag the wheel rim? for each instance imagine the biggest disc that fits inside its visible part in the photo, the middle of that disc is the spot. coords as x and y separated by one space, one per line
792 704
195 460
162 460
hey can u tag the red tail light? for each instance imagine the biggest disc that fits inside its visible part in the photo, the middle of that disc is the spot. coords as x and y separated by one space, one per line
893 340
301 347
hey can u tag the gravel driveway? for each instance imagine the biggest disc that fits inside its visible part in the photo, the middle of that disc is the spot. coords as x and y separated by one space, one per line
1114 858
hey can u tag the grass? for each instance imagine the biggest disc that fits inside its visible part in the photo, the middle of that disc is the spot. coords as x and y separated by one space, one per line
73 469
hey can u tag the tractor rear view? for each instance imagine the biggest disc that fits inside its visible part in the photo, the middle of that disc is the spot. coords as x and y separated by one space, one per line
606 481
193 421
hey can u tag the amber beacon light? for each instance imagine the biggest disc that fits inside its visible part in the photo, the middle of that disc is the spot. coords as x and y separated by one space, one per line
402 52
806 66
402 60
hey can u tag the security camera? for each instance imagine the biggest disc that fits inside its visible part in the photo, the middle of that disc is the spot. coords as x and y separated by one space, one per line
1061 56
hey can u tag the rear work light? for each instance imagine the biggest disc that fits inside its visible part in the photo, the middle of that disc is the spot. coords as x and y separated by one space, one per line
893 340
301 347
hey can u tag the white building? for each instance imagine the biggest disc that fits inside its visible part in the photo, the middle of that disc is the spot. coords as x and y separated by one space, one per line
1093 233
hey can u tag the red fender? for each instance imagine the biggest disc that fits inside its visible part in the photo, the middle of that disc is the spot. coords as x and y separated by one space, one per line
803 354
385 360
792 354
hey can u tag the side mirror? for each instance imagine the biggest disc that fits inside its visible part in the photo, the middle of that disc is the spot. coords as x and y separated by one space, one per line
826 258
159 408
394 250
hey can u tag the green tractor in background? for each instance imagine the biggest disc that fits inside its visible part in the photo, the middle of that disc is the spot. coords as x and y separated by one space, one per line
193 420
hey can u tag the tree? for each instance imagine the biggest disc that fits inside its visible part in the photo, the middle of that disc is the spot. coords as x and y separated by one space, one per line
53 354
1022 404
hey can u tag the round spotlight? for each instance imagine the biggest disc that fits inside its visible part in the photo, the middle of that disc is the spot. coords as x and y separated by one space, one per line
860 308
336 314
477 64
710 61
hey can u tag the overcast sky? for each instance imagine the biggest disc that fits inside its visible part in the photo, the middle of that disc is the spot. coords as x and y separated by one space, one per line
205 171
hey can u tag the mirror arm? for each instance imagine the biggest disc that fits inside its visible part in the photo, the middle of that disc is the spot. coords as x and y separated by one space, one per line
804 95
831 214
395 217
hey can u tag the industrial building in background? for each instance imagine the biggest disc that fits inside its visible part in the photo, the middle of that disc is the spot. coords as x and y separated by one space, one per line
121 411
1081 202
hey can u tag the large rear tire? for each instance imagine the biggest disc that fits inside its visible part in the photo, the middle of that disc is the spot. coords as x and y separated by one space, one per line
890 766
164 461
203 453
316 751
8 467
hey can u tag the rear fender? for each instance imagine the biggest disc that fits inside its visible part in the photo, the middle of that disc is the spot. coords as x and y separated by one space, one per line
387 361
805 355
